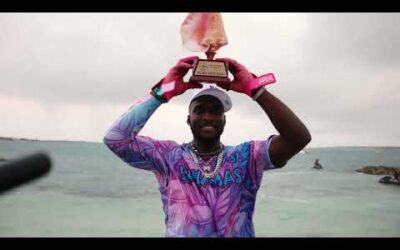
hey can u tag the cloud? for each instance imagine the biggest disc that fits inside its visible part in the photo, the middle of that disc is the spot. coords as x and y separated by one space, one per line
339 72
84 57
365 39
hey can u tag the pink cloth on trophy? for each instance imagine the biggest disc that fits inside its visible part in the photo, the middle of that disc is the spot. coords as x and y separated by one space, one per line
203 32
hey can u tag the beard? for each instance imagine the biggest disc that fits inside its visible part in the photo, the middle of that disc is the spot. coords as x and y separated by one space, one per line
207 139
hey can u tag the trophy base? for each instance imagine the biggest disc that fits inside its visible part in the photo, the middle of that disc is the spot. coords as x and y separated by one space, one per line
210 79
210 71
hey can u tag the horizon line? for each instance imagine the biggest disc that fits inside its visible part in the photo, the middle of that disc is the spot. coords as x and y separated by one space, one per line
65 140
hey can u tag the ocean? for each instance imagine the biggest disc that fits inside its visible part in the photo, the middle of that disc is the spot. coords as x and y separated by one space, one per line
91 193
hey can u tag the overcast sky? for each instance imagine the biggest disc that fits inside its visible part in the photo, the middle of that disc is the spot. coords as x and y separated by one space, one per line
68 76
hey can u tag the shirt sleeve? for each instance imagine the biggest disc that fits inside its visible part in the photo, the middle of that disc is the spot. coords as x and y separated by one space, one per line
139 151
260 160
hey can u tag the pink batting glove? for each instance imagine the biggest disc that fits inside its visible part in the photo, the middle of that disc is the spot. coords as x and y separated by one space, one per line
244 81
172 84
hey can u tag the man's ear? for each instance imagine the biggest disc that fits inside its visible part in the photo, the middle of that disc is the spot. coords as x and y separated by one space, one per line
188 120
224 122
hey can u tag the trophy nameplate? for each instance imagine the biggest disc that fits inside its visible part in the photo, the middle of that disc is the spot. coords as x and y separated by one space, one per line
211 71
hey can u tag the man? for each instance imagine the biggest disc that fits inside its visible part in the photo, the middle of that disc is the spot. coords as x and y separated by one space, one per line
317 165
208 189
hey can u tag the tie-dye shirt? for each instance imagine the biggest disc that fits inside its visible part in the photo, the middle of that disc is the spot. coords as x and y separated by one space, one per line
194 206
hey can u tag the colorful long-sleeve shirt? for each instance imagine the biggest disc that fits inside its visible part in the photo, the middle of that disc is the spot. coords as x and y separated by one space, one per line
194 205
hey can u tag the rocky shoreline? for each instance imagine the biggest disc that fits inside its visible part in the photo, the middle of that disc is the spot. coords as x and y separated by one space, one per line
379 170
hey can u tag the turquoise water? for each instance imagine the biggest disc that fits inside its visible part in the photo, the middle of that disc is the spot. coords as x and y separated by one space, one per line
90 192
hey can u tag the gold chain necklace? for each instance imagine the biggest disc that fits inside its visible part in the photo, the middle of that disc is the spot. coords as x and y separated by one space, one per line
205 166
194 149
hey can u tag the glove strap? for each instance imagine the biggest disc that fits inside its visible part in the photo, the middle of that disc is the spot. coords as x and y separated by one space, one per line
158 93
259 82
265 79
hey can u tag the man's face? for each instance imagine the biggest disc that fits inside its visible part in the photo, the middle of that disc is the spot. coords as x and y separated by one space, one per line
206 118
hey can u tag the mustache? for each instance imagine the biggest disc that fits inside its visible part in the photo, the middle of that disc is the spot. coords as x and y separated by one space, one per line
202 125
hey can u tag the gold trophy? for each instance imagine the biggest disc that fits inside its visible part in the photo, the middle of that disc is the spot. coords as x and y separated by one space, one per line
204 32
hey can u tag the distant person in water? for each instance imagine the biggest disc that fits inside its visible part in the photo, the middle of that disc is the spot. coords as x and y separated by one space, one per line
317 165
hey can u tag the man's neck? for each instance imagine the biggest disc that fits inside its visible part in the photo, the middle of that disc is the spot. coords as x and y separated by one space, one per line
206 147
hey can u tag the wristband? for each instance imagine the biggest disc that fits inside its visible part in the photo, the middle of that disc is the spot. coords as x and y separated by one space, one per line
258 93
157 93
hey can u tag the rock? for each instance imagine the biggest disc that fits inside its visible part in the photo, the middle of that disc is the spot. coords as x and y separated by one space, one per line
379 170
